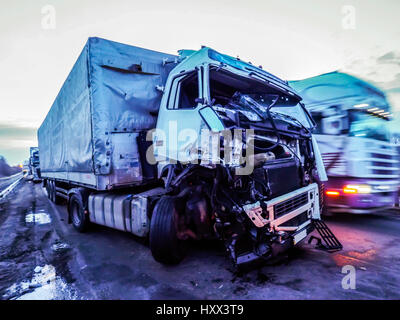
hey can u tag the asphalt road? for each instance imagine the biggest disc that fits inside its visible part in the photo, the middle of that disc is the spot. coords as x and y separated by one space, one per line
42 257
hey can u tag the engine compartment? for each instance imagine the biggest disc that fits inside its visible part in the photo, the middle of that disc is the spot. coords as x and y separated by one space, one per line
220 203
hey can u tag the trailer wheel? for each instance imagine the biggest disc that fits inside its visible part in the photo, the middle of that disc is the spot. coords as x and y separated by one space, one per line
48 188
56 199
51 193
76 209
164 244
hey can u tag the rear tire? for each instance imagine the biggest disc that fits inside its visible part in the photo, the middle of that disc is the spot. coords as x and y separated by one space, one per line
48 189
52 187
76 209
57 199
165 246
53 193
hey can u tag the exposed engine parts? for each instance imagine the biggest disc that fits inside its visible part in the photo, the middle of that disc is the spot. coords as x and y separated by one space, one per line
236 209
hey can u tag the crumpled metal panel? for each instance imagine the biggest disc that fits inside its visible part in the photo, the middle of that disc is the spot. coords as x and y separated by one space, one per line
124 97
111 88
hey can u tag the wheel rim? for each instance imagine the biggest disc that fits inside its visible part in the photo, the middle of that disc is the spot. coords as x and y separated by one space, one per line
75 214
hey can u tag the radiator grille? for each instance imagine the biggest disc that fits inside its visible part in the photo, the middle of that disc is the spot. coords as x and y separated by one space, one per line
333 160
382 156
282 208
384 164
296 221
382 172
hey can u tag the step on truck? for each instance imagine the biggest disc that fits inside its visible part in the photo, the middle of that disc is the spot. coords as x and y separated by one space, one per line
183 147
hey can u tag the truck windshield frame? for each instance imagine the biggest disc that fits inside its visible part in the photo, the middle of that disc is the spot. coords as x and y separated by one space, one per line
174 95
260 87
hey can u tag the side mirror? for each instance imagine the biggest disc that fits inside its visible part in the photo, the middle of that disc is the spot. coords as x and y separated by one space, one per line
211 118
199 100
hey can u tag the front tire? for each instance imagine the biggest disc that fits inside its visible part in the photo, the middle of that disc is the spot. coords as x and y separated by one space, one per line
165 246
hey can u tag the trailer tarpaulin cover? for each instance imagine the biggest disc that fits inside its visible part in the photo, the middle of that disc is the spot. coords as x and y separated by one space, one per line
111 88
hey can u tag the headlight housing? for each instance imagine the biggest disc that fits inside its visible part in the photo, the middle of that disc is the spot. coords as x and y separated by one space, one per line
357 188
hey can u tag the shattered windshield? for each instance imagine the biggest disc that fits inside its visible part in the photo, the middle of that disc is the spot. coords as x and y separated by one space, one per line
260 103
252 97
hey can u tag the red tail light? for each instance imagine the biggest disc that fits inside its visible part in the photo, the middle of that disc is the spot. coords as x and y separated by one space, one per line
332 193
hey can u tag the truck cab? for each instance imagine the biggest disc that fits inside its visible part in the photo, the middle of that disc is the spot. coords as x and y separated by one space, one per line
353 134
34 164
212 105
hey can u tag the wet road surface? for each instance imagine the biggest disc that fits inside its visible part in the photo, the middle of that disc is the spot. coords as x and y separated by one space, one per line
42 257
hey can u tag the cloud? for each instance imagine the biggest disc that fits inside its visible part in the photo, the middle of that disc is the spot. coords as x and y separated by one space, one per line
16 131
15 140
394 90
388 57
381 69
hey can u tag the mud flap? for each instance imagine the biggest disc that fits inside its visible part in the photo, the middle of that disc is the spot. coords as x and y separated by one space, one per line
328 241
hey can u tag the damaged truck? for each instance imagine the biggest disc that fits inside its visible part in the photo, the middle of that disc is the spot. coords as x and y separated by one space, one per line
177 148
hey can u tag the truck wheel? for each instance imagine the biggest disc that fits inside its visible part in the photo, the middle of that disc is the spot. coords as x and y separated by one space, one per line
164 244
53 193
57 199
76 209
48 188
51 188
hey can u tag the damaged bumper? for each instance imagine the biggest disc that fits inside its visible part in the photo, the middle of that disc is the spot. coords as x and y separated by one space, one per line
290 212
278 247
287 219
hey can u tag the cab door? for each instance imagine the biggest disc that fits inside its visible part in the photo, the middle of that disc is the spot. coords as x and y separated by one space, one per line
179 123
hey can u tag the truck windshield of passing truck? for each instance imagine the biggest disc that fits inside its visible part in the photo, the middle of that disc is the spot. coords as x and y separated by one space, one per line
35 158
252 98
368 126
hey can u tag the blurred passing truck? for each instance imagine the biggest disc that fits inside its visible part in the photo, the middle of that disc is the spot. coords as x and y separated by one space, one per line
354 138
195 146
34 168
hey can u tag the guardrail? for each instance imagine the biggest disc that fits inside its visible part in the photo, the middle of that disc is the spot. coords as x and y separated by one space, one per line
10 177
8 189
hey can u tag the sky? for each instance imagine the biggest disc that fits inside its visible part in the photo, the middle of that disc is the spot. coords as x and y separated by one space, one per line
294 39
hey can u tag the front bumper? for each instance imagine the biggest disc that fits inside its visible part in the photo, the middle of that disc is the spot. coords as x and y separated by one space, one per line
288 213
358 203
251 259
288 217
362 205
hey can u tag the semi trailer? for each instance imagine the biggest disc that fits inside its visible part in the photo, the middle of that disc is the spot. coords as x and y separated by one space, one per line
353 134
183 147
